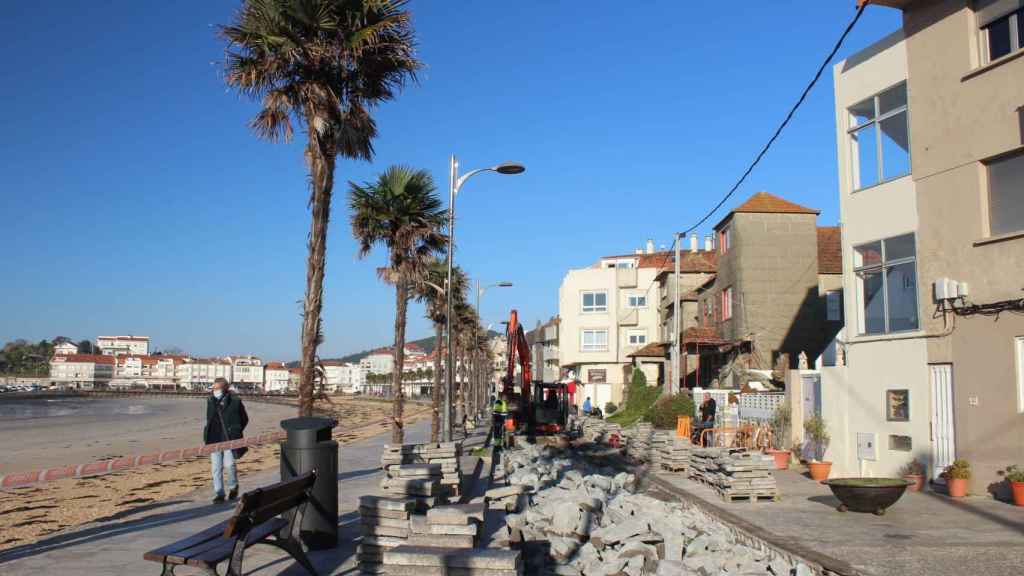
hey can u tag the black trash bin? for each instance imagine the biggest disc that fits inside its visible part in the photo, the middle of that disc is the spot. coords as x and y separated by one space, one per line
309 447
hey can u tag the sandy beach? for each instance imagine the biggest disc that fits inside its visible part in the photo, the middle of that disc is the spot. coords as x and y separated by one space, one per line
27 514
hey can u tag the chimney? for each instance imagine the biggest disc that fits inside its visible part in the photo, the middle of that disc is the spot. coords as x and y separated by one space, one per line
638 251
707 243
650 246
693 243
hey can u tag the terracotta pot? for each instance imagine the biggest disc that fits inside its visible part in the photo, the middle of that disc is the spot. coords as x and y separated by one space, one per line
957 487
781 458
1018 493
819 470
916 482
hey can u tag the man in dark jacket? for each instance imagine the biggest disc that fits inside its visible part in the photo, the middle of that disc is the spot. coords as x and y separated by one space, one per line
225 420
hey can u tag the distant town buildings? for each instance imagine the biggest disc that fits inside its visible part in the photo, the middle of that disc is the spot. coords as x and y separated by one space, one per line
65 349
81 371
119 345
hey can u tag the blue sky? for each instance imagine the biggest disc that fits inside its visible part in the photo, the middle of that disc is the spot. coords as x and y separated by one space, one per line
136 200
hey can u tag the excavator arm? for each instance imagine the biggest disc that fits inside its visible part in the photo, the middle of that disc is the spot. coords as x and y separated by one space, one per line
518 353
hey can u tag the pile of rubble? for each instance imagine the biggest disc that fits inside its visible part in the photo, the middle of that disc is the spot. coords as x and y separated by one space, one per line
385 525
590 522
736 473
428 473
598 430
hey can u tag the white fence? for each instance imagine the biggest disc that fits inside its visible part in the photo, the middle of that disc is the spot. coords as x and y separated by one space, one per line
760 405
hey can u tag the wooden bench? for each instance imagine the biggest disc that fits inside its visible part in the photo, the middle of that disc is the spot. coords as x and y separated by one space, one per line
257 520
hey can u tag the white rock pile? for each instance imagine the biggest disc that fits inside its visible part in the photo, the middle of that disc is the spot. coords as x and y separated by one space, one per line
592 523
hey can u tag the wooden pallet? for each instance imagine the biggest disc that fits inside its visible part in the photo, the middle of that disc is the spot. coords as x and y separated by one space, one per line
674 467
753 497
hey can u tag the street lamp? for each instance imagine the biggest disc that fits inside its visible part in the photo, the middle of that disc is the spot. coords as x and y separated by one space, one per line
480 290
455 184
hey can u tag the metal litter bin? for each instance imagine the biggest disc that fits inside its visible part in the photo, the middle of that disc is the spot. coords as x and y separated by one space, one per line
309 447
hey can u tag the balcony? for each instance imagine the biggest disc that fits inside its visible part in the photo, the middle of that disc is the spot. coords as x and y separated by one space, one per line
625 277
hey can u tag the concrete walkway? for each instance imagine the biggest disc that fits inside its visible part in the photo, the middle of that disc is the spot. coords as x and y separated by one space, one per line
923 533
115 546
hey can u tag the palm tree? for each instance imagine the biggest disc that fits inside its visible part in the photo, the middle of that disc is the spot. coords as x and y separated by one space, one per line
431 291
401 211
323 65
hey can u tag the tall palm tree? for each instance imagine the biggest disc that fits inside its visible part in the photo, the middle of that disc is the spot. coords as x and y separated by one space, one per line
323 65
402 211
431 291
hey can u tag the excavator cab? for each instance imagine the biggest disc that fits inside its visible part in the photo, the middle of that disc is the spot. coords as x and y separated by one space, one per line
550 408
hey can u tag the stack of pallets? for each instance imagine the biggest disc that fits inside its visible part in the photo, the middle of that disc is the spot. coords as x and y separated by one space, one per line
675 454
737 474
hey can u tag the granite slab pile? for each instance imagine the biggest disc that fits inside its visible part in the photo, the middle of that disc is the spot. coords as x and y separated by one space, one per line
455 526
436 561
428 473
599 430
737 474
385 524
674 453
639 439
591 521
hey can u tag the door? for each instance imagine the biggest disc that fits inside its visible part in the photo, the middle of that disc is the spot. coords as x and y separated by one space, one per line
943 436
812 394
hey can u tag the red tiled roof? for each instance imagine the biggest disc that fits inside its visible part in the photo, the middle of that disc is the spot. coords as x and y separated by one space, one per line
763 202
94 358
275 365
139 338
653 260
830 250
295 370
652 350
692 262
703 335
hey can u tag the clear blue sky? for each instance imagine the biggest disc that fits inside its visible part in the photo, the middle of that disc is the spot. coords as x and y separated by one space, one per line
136 200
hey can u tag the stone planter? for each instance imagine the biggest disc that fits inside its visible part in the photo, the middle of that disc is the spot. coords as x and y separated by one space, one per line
819 470
871 495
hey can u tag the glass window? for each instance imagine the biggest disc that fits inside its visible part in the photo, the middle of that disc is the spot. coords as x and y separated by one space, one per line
595 301
636 301
1006 195
1000 40
594 341
834 306
880 138
636 337
887 285
727 303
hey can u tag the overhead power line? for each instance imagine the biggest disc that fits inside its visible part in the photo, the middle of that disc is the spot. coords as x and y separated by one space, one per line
778 131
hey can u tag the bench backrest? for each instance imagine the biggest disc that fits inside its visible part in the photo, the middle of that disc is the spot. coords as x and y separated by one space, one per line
262 504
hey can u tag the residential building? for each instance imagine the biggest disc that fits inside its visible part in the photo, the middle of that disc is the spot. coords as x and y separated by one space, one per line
198 374
294 378
696 267
275 378
607 311
544 341
65 349
930 127
498 345
120 345
767 303
246 373
81 371
342 376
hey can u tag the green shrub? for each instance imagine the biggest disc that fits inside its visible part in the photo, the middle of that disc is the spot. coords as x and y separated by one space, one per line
666 411
639 398
610 408
958 470
1015 474
817 432
781 420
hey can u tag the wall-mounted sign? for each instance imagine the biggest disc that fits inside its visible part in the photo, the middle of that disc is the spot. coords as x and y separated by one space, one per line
897 405
597 376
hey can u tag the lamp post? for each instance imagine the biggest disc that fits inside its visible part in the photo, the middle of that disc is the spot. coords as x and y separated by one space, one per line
455 183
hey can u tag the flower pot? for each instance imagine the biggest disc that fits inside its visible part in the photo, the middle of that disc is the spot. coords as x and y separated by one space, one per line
819 470
957 487
916 482
1018 493
781 458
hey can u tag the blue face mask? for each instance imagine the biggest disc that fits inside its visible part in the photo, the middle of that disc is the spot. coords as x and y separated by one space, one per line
218 394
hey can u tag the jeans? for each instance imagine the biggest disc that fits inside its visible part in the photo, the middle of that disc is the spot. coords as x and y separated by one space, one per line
219 461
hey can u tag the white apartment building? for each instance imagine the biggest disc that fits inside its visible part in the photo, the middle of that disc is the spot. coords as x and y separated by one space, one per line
607 311
342 376
118 345
198 374
65 349
81 371
275 377
247 373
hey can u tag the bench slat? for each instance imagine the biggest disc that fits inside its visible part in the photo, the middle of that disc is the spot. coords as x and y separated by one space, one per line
262 504
214 555
158 554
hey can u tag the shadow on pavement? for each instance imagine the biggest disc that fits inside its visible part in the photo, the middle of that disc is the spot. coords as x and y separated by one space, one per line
325 561
97 533
830 501
357 473
977 511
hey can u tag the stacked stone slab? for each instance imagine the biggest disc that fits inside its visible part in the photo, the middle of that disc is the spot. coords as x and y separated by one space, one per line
598 430
675 453
385 524
511 498
639 438
430 561
736 473
444 461
418 482
448 526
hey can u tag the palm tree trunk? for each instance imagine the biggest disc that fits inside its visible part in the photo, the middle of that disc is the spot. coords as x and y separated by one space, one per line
397 389
322 176
435 392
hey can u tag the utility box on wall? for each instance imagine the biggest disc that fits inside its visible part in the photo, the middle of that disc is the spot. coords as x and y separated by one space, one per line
867 446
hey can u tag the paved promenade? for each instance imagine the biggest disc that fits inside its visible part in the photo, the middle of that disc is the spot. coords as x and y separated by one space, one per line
924 533
114 547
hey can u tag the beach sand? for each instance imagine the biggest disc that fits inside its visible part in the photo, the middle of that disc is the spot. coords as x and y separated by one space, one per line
30 513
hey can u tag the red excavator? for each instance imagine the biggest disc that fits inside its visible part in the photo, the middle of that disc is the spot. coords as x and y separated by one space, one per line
535 407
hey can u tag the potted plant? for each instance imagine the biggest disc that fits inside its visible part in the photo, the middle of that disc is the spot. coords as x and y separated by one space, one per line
780 436
913 472
1015 476
817 432
957 474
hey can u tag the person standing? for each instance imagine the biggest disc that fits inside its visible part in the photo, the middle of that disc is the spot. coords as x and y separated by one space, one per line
226 419
707 417
499 411
586 406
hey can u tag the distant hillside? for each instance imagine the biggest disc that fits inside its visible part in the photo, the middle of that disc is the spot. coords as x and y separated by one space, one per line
427 344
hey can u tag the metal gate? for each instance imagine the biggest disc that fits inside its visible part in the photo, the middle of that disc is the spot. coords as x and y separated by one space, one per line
942 428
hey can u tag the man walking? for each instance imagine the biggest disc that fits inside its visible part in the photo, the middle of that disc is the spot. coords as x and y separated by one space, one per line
225 420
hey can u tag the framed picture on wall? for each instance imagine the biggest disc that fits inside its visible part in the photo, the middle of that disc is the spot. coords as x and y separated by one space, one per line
897 405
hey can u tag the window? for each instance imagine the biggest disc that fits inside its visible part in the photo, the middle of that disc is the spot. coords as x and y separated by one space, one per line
1006 195
834 306
880 138
724 240
1019 352
886 273
594 341
1002 33
595 301
636 301
727 303
636 337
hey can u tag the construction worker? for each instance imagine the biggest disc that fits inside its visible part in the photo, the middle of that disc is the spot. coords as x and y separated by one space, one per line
499 410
